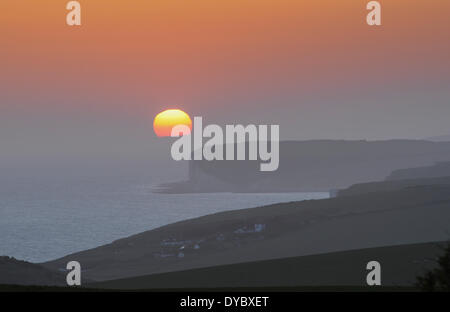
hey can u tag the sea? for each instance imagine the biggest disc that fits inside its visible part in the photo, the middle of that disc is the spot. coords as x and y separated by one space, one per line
41 220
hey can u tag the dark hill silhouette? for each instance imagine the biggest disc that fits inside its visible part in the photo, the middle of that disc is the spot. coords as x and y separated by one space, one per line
17 272
401 265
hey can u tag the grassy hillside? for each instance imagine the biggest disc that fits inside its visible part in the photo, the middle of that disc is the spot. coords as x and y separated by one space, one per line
400 266
13 271
340 271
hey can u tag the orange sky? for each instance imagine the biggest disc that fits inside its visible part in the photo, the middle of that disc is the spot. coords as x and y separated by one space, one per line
211 56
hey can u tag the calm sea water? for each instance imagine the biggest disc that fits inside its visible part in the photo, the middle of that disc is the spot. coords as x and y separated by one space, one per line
44 220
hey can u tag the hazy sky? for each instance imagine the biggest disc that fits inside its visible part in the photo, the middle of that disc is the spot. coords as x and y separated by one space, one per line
89 94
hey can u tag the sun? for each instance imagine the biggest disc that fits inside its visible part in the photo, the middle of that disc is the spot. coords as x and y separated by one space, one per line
166 120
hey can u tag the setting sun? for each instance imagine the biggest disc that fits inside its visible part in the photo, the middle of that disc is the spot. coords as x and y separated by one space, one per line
166 120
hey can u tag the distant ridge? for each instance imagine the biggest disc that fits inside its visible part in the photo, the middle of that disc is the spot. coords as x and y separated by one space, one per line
440 138
393 185
438 170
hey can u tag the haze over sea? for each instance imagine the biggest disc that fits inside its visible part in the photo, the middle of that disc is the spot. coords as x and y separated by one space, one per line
43 219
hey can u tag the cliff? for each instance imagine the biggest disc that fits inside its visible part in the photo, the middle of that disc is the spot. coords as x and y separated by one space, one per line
313 166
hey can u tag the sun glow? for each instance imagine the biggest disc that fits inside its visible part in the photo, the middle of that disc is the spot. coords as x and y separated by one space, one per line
166 120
